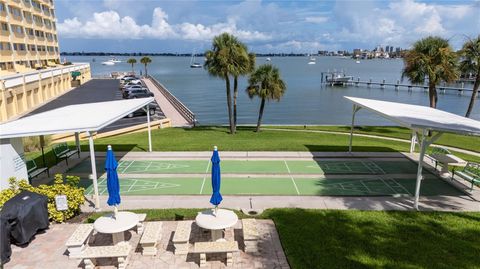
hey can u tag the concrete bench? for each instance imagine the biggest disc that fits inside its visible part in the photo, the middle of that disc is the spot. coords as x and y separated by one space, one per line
250 235
215 247
34 171
470 173
141 219
181 237
119 251
62 151
77 241
150 236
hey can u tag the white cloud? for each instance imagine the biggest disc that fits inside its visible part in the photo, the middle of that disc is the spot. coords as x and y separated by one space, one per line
110 25
317 19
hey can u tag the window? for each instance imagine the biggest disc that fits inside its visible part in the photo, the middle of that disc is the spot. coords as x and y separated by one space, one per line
47 23
19 47
27 15
27 2
5 46
2 7
56 49
17 29
36 4
15 11
32 47
39 33
29 31
54 26
5 27
38 19
46 10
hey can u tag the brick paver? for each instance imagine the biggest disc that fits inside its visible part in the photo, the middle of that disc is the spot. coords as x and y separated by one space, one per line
48 250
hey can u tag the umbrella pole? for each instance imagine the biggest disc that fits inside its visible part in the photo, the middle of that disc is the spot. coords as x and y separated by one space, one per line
115 211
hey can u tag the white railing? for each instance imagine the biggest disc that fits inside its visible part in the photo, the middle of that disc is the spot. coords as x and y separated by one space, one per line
17 79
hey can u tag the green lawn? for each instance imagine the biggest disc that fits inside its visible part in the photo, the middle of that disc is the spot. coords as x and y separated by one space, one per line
204 138
459 141
366 239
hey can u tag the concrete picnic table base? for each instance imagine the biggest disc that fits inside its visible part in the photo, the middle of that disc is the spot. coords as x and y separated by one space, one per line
216 221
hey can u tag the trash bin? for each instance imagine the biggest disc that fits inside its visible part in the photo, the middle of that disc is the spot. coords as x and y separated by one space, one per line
27 213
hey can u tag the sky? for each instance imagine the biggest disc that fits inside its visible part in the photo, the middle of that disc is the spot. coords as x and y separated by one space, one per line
183 26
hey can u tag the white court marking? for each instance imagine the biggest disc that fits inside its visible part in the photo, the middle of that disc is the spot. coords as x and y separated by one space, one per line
204 178
293 180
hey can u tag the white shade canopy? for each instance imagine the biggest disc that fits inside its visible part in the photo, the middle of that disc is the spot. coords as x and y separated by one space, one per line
74 118
420 117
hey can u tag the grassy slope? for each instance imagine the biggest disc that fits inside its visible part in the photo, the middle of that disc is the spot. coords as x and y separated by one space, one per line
460 141
366 239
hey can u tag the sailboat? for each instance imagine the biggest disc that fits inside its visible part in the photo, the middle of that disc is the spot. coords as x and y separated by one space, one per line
194 64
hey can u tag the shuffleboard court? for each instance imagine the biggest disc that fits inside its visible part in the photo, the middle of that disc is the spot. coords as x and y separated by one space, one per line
321 186
279 167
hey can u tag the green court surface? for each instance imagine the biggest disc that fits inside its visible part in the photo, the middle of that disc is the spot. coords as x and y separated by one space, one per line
279 167
368 186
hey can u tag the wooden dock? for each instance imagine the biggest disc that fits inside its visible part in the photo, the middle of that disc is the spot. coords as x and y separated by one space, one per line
410 87
176 111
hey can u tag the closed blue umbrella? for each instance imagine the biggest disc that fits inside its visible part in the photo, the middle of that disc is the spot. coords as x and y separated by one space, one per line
113 185
216 198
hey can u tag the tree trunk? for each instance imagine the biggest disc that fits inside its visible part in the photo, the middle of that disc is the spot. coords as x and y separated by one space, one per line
229 103
260 114
235 94
474 93
432 92
146 70
132 68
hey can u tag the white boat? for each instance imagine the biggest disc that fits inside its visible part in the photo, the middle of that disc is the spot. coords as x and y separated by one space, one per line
357 61
311 62
194 64
109 62
338 79
268 59
115 60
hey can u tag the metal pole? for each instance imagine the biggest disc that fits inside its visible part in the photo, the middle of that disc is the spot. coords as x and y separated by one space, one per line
413 141
94 170
355 109
149 131
419 169
77 143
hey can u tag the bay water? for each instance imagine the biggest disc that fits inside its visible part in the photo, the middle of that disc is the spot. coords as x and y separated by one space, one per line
306 101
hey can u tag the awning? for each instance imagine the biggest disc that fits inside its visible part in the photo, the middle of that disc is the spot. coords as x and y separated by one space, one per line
90 118
421 120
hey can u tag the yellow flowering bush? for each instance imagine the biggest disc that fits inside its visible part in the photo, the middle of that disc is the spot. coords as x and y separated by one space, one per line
74 195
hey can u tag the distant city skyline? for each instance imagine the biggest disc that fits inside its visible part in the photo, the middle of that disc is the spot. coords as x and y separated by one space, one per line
265 26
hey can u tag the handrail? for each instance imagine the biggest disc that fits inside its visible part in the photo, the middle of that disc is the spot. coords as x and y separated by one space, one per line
181 108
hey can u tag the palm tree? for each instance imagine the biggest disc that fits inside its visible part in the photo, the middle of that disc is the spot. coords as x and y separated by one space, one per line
431 58
246 67
132 61
267 84
471 64
145 61
224 60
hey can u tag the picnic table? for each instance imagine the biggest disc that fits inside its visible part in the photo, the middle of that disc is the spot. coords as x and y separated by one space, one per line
116 226
446 160
216 221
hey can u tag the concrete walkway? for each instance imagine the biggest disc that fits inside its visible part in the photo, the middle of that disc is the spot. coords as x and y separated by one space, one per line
168 109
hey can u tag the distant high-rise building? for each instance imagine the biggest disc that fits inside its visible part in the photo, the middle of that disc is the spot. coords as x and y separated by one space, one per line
391 49
398 49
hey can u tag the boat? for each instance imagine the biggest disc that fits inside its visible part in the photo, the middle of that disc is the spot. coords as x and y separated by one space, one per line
268 59
338 79
115 60
194 64
312 60
357 61
109 62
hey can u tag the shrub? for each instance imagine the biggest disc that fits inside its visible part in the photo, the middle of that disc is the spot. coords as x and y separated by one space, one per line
74 195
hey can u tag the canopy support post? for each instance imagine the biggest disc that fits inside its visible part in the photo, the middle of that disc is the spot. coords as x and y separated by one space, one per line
413 141
355 110
424 143
94 170
149 129
77 143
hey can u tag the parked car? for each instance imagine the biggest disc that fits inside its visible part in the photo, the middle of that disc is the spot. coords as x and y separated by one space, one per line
131 83
131 87
127 79
143 111
137 93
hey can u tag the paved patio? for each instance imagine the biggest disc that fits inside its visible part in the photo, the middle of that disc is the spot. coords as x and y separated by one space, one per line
48 250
